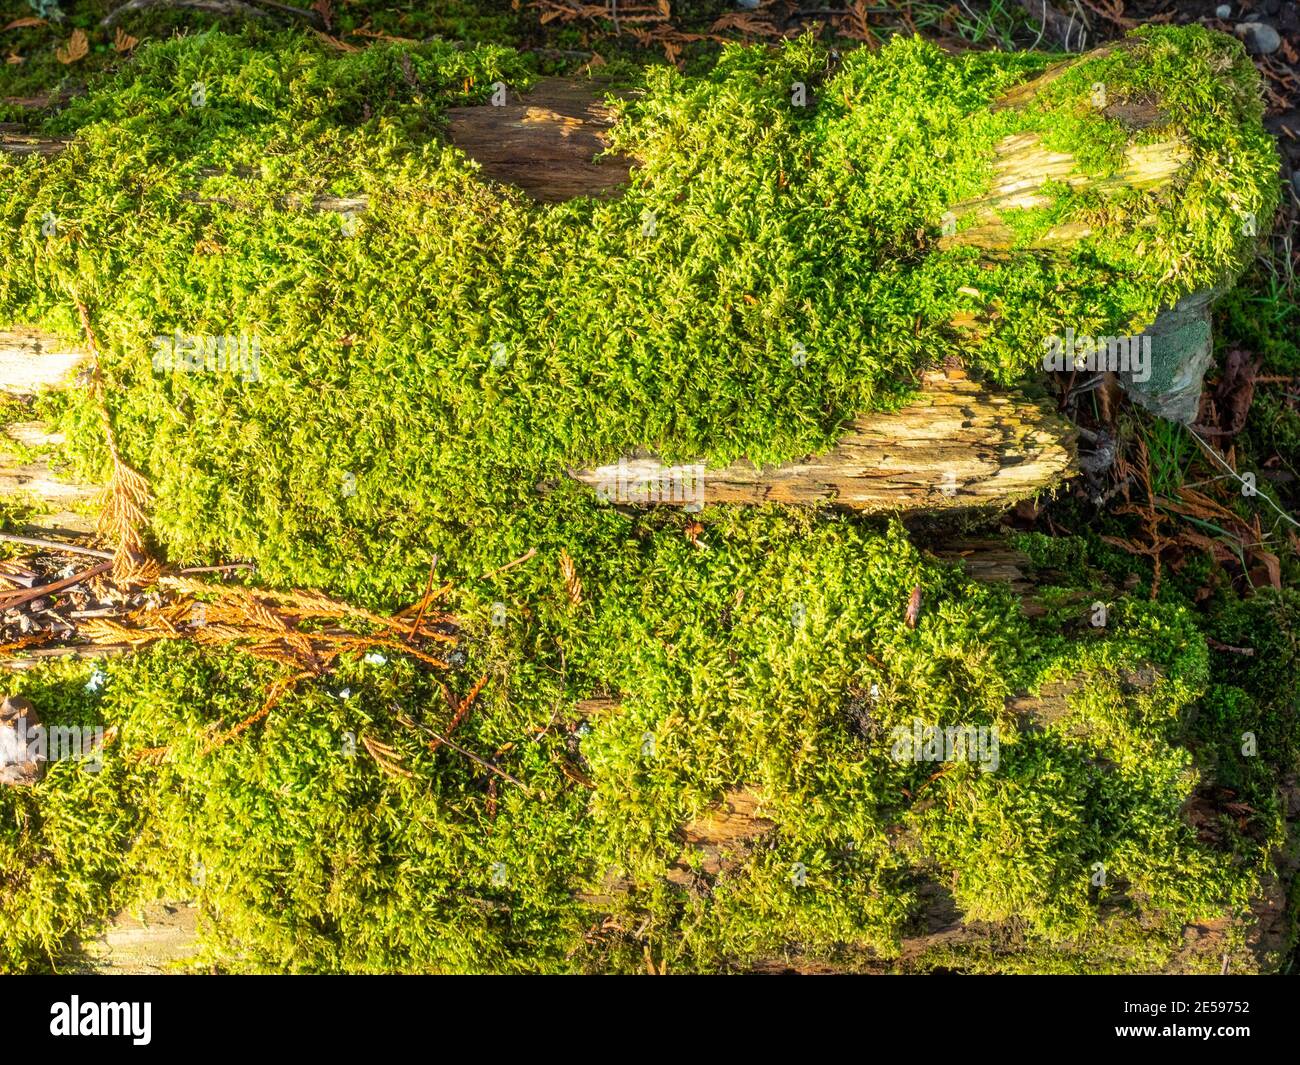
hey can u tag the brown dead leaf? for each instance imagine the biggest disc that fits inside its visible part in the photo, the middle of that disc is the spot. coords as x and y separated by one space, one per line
326 12
14 59
123 41
914 607
78 47
19 23
1236 391
1271 566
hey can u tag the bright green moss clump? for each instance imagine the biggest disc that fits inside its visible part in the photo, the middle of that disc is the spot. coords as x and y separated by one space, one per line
425 366
778 661
456 344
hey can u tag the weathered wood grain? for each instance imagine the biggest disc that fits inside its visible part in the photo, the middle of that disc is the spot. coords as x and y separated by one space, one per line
959 445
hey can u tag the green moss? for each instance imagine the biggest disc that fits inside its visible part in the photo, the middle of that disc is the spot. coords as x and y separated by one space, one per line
465 343
750 664
774 656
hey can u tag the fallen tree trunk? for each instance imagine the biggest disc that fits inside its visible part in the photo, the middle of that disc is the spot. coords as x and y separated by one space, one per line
959 444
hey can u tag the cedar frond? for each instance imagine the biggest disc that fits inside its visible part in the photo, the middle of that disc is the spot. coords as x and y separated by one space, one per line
572 582
122 504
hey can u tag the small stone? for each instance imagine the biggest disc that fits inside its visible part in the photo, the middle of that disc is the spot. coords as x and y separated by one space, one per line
1259 37
1223 11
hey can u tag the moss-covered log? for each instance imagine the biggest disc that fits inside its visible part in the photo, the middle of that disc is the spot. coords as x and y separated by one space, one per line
798 240
665 284
959 445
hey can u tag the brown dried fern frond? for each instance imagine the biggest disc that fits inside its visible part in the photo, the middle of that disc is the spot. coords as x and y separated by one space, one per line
266 624
263 623
274 694
26 641
9 572
301 606
121 517
461 709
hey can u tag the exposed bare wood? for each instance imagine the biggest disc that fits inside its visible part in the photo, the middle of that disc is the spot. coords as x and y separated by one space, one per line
162 939
55 545
43 102
31 360
546 143
32 480
37 655
35 479
1027 90
990 561
728 827
15 141
959 445
1021 172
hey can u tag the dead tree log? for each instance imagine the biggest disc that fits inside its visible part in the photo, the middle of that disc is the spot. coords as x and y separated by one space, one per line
958 445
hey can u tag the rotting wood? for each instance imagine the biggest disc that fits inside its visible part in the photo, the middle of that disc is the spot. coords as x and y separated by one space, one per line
550 143
731 825
958 445
1025 166
162 939
61 504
